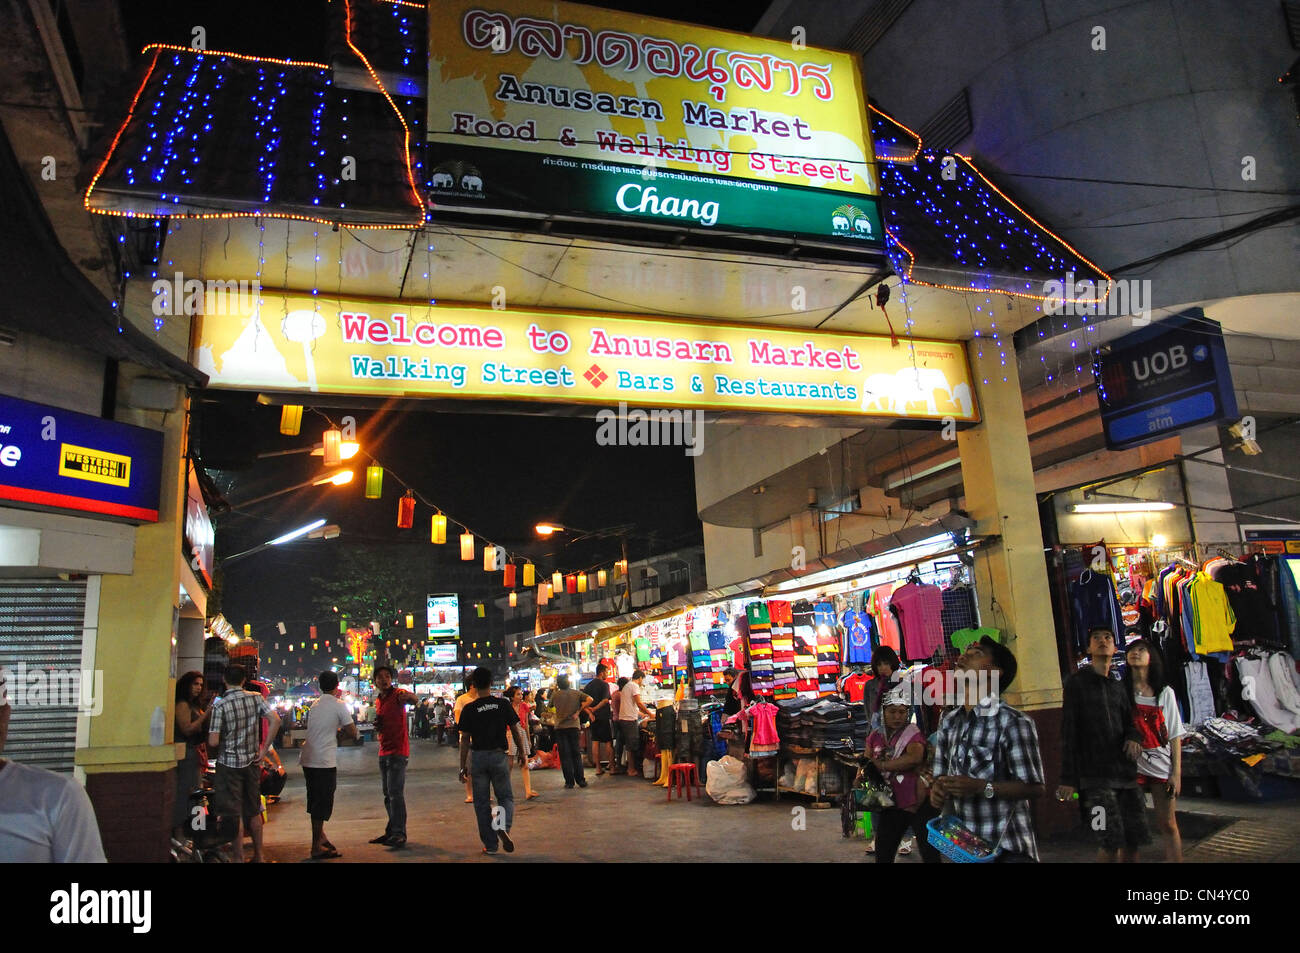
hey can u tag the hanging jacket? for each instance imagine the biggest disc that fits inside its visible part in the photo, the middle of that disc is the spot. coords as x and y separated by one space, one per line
1093 604
1213 620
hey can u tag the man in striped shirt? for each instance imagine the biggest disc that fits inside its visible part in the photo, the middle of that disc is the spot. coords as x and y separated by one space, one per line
236 728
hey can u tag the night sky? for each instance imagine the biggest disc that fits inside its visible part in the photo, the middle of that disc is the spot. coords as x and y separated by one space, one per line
498 473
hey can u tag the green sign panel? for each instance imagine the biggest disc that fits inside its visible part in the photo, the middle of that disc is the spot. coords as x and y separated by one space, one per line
511 181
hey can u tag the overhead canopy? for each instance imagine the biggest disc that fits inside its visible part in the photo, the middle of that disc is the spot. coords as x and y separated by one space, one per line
45 294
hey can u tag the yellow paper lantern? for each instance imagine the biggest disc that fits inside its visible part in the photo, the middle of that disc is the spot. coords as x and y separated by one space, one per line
557 582
480 610
582 582
438 529
291 419
410 621
248 630
374 482
530 575
467 547
514 600
620 569
489 558
332 442
601 578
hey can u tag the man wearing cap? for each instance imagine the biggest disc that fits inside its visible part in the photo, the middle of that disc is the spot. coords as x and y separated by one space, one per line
986 757
46 817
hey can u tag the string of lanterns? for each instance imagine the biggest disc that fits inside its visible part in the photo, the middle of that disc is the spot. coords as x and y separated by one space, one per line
495 558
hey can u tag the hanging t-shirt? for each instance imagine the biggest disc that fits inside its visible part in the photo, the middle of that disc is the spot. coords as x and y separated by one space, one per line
886 624
920 610
857 638
1158 722
855 685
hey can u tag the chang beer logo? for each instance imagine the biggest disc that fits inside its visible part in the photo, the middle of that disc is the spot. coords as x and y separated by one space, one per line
850 221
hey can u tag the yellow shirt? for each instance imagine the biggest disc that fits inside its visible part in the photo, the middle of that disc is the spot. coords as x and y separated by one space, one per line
461 702
1212 615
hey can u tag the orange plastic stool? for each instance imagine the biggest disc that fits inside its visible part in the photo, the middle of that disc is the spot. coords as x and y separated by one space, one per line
683 775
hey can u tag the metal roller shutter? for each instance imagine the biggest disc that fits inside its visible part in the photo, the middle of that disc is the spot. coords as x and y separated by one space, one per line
41 625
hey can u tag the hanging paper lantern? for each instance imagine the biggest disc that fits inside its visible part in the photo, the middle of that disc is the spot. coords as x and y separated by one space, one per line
248 630
489 558
479 609
570 584
438 529
620 569
291 419
312 632
557 582
315 647
410 621
601 578
343 626
514 600
374 482
332 445
406 511
530 575
543 594
508 576
582 582
467 547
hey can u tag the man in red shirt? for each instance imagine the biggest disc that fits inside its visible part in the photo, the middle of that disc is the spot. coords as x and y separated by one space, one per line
394 753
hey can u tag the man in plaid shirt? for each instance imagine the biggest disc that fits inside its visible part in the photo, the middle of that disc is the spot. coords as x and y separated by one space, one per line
986 759
236 727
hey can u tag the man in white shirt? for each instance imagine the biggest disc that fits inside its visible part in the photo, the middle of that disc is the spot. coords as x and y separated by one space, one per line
319 761
44 817
630 709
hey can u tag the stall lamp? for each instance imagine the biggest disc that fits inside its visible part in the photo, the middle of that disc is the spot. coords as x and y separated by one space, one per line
291 419
301 531
332 449
338 479
438 529
1159 541
1142 507
347 449
546 529
467 547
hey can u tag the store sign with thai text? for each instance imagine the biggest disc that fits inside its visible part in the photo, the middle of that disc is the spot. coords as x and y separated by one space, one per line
403 349
1162 379
64 460
562 108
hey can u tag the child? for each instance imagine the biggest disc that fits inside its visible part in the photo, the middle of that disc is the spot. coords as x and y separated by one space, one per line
1161 726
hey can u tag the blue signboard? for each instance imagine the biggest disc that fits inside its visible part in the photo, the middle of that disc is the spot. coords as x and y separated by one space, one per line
64 460
1162 379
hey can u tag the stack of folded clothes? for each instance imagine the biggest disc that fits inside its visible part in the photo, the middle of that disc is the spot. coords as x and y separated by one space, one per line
824 724
783 673
757 629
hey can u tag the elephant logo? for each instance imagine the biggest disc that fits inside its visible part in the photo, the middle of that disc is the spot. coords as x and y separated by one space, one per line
444 180
894 393
851 221
471 183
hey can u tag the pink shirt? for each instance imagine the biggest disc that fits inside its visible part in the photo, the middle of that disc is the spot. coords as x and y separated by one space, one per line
764 715
919 611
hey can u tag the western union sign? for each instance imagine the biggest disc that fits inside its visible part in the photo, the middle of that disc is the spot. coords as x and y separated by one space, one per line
82 463
303 343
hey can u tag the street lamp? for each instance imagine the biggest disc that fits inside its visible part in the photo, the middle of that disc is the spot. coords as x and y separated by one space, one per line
339 478
546 530
315 530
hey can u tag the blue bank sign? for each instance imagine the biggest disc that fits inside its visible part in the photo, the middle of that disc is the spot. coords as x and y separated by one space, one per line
64 460
1162 379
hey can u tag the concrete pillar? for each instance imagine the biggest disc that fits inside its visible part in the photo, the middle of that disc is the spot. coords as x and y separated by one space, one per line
1207 486
998 475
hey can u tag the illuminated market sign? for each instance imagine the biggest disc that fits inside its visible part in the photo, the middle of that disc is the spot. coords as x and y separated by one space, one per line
306 343
560 108
64 460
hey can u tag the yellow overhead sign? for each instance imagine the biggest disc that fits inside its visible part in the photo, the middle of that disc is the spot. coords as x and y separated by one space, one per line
593 87
306 343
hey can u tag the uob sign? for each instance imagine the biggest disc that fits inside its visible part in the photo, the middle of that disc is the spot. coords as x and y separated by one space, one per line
1162 379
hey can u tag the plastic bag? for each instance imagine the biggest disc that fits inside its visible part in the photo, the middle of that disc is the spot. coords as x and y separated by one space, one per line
727 782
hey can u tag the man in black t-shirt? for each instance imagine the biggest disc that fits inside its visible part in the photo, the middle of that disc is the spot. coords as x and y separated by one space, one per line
602 718
483 726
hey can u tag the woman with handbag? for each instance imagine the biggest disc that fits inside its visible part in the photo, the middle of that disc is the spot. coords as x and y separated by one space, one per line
897 751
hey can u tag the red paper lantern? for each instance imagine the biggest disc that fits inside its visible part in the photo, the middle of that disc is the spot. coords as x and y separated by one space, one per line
508 579
313 634
571 584
406 511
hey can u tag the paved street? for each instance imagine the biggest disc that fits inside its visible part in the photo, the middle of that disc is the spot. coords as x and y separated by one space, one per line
594 825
